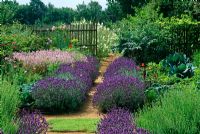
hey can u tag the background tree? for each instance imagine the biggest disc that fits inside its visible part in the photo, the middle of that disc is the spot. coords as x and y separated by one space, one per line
114 11
37 11
8 10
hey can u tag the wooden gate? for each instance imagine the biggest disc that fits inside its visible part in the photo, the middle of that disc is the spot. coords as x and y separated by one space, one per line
86 36
83 36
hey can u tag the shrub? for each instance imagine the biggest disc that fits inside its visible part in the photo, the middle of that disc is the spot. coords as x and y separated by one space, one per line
140 36
196 58
119 91
32 123
177 112
9 102
106 40
58 95
119 121
18 38
121 66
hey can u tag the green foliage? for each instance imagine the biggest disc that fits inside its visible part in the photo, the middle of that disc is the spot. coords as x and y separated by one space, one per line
155 92
140 35
18 37
176 113
8 10
114 11
76 125
177 8
106 40
25 95
196 59
9 102
178 64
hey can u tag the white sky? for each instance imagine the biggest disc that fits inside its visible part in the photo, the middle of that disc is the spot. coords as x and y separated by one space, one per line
66 3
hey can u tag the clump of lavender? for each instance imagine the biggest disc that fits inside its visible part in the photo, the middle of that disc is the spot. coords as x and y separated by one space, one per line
119 91
119 66
32 123
57 95
119 121
77 73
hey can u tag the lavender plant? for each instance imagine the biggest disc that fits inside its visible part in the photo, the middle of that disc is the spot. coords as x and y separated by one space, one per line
120 66
119 121
68 71
32 123
58 95
119 91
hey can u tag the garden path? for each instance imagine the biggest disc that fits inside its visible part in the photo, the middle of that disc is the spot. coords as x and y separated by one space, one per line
88 110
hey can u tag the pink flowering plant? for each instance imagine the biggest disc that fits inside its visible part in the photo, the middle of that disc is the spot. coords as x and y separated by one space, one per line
39 61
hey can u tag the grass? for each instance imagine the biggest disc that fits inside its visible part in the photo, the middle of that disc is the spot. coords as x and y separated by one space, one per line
73 125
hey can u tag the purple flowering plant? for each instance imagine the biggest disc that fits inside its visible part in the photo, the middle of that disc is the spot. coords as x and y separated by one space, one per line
32 123
122 66
57 95
66 89
119 91
118 121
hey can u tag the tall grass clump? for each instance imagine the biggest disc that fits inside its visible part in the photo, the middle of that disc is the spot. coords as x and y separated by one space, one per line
176 113
9 102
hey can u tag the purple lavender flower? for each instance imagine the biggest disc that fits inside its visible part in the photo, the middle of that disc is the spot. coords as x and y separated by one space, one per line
142 131
118 121
119 91
78 74
32 123
56 94
118 65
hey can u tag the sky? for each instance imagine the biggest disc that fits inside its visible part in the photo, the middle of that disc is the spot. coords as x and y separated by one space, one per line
66 3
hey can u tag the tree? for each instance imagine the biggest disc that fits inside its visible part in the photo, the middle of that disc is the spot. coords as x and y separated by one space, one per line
8 10
37 11
114 11
127 6
91 12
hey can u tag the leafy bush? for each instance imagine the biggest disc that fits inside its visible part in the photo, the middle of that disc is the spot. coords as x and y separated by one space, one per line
121 66
9 102
32 123
155 91
196 58
178 64
140 36
177 112
18 38
119 121
58 95
119 91
25 96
